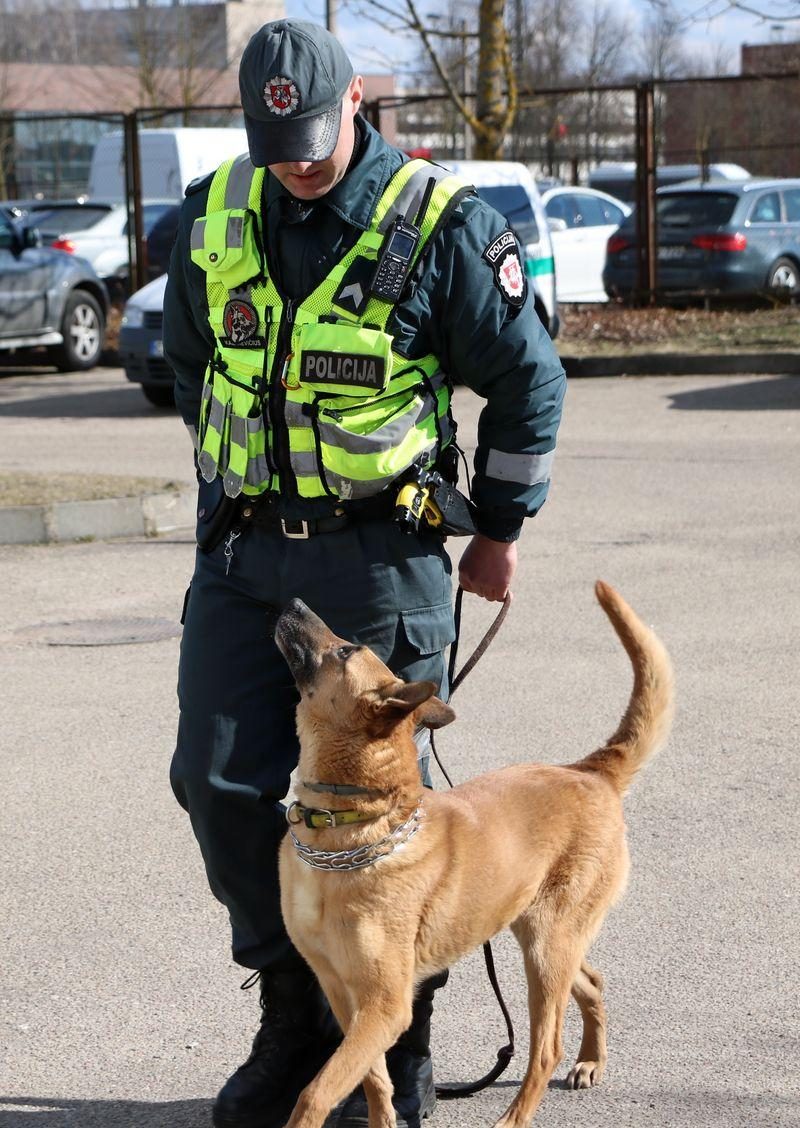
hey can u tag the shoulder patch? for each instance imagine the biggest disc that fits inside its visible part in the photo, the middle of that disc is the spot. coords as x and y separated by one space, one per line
198 183
503 256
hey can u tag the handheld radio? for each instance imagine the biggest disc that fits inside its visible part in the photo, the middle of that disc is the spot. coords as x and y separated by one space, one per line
397 251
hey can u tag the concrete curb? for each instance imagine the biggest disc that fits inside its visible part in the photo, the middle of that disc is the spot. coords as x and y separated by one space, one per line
145 515
678 364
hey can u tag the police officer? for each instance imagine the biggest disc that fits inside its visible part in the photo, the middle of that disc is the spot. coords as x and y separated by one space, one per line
323 292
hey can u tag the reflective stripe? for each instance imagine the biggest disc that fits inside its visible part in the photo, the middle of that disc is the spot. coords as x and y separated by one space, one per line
350 489
304 463
526 469
237 188
410 195
294 415
216 415
198 235
234 231
386 437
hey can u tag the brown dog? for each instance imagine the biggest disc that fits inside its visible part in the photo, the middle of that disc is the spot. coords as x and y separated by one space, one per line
405 882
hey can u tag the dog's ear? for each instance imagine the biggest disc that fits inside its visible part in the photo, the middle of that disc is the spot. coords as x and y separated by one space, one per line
434 714
401 698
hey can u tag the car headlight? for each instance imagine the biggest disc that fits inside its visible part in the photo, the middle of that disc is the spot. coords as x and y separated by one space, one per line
133 316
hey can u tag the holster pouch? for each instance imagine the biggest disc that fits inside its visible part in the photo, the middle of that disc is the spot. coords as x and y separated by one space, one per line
458 512
215 513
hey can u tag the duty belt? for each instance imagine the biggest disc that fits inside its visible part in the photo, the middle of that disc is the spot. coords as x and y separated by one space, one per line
264 512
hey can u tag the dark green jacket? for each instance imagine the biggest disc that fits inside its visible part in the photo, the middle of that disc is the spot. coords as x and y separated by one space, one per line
454 308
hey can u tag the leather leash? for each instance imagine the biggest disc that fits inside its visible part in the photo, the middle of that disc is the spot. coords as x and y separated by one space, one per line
455 1090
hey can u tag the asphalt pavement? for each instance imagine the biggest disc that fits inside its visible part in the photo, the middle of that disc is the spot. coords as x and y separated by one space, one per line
119 1003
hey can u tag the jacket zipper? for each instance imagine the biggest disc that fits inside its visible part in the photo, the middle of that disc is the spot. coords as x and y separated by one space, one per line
277 402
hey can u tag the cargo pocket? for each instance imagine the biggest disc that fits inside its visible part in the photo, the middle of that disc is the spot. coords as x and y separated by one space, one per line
428 632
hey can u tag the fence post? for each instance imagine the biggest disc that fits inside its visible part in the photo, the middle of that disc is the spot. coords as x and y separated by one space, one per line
137 247
372 112
646 191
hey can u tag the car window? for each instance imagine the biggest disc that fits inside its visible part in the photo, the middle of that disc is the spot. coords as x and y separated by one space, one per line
611 213
511 200
588 211
66 219
695 209
766 209
791 198
562 207
151 213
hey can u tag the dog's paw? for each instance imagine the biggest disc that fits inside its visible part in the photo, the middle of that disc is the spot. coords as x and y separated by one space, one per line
585 1074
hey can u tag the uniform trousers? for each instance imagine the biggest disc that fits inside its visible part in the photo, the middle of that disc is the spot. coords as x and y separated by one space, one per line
236 744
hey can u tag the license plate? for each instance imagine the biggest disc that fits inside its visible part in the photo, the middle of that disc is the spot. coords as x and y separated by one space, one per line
156 348
669 254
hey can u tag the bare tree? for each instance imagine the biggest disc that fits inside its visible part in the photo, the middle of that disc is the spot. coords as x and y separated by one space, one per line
660 49
496 83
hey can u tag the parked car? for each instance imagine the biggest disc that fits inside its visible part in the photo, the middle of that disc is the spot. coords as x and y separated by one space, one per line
619 177
94 229
169 159
160 238
716 239
141 348
510 188
581 222
48 299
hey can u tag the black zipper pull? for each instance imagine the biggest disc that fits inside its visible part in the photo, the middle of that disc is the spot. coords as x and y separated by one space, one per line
337 415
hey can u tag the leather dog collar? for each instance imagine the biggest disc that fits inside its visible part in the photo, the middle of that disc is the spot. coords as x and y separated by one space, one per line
319 818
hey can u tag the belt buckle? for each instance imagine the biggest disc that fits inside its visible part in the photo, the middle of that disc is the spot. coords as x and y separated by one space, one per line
303 534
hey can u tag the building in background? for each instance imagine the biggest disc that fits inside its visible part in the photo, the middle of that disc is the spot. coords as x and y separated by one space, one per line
143 57
751 123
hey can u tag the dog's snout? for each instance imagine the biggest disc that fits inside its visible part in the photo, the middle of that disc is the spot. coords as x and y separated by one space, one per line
296 606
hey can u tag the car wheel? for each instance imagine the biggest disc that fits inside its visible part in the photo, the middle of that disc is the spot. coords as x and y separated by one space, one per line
161 395
783 275
83 329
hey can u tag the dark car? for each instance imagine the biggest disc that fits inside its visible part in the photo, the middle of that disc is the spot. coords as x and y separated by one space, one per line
716 238
48 299
160 238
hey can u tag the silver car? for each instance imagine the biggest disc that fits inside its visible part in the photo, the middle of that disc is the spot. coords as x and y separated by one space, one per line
48 300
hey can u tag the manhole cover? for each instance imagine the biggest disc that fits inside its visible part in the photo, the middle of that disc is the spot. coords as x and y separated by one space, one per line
101 632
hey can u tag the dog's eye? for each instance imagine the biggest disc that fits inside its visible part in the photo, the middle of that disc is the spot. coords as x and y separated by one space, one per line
344 652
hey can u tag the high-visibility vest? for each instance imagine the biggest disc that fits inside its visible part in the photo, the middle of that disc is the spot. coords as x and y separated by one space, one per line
310 398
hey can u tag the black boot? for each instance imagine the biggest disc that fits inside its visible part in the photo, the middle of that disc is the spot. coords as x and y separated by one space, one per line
296 1037
410 1068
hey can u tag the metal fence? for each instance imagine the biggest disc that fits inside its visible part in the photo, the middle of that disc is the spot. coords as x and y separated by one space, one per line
626 139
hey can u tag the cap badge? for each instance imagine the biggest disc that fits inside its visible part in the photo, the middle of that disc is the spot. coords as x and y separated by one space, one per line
281 95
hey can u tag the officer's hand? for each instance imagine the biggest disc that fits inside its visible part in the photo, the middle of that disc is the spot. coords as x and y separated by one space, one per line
487 568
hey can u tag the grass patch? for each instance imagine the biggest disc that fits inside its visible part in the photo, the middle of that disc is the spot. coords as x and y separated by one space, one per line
614 330
41 489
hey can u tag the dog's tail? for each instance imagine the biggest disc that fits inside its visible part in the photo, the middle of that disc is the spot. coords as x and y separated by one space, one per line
646 724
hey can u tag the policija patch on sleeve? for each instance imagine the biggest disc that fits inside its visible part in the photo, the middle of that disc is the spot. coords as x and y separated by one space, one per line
503 256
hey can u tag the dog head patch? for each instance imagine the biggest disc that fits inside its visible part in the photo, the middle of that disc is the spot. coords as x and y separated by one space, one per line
240 322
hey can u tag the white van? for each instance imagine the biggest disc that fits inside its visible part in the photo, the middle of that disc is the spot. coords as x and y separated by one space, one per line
510 188
169 158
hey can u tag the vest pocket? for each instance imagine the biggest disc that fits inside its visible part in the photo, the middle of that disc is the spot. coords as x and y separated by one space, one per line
363 451
338 359
224 244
